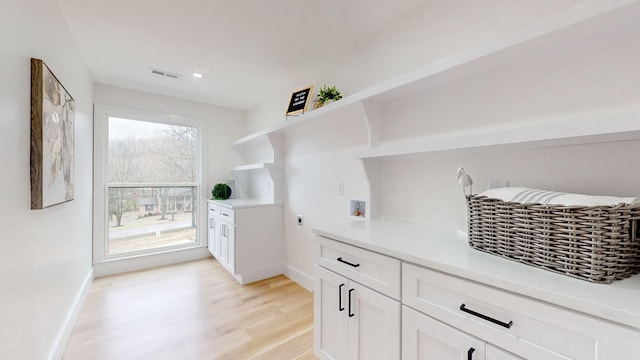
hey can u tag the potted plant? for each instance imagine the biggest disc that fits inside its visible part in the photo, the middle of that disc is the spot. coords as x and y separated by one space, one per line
220 192
327 94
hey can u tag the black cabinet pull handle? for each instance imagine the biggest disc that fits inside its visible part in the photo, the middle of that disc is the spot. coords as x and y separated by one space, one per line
485 317
350 313
348 263
470 353
340 297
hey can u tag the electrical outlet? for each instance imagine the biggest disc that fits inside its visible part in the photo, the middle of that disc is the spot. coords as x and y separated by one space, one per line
340 187
498 184
300 220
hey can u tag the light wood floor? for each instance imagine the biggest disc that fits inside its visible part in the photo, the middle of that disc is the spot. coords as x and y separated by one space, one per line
193 310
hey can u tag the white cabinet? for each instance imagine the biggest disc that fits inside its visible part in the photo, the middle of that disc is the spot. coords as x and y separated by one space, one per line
493 353
213 242
376 271
220 244
352 321
246 238
374 327
226 235
454 298
513 326
425 338
331 319
527 328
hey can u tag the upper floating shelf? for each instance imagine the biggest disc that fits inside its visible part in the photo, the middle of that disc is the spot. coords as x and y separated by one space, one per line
256 166
295 123
589 25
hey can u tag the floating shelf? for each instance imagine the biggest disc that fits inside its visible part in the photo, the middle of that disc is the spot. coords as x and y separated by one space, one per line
256 166
252 139
588 26
299 122
621 124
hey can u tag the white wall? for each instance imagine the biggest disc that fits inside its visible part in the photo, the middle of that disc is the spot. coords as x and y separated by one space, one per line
583 81
221 126
315 161
45 255
422 188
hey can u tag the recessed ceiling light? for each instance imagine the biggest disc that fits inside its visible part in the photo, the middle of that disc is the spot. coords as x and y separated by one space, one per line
197 75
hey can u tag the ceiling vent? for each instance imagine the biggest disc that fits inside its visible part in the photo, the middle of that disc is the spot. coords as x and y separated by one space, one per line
165 73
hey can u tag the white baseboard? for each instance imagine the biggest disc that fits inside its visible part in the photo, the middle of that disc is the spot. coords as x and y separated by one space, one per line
299 277
135 263
64 334
259 274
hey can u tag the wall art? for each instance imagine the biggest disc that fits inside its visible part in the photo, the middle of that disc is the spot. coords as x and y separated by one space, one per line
52 138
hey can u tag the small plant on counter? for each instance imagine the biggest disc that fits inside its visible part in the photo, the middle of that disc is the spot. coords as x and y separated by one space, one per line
221 192
327 94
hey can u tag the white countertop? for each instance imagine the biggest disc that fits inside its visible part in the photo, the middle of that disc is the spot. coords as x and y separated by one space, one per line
241 203
443 249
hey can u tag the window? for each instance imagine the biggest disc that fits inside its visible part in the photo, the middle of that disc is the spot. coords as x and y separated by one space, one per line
152 186
134 227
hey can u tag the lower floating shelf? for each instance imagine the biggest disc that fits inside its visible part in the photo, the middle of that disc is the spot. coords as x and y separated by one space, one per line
608 125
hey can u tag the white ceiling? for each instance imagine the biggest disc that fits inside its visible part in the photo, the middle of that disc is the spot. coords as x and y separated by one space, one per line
246 49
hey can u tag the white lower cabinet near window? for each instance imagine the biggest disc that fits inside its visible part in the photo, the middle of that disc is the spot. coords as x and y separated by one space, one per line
246 241
221 242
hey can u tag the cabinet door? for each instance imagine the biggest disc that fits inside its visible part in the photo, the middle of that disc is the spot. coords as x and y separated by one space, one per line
425 338
214 237
494 353
330 317
217 242
231 247
374 324
224 244
227 246
211 235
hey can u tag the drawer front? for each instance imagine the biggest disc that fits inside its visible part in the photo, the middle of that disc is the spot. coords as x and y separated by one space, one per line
213 209
493 353
525 327
228 215
377 271
426 338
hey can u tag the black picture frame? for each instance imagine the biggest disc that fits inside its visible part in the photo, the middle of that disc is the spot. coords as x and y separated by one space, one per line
299 101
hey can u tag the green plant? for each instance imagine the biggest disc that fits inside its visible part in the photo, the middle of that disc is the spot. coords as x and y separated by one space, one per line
221 191
327 93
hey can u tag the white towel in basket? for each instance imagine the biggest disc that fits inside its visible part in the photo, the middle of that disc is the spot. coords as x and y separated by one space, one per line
527 196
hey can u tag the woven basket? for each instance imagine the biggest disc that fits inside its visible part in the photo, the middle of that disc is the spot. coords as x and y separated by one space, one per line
593 243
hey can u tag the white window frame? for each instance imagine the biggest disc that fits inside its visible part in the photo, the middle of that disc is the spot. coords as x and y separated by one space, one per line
102 113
